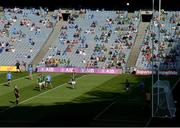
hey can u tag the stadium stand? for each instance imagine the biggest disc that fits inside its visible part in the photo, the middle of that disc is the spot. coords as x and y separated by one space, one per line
94 39
168 47
23 32
89 38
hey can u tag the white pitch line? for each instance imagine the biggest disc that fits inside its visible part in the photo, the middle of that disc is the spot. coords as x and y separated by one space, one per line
175 84
105 109
129 121
49 97
18 79
148 122
38 95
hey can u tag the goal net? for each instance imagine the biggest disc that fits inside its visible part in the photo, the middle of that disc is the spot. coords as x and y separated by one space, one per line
163 103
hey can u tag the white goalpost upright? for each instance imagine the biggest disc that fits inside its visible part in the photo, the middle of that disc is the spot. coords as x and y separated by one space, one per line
152 54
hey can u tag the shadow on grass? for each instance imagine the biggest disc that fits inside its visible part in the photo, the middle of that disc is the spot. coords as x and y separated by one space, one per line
70 87
79 112
36 89
6 85
12 102
27 78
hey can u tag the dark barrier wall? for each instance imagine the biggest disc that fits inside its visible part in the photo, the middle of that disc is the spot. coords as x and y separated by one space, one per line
93 4
146 18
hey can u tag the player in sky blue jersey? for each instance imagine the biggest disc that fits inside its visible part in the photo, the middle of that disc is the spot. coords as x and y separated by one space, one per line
9 78
30 70
48 80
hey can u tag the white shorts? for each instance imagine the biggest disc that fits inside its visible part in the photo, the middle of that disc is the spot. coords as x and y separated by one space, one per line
40 84
43 82
73 82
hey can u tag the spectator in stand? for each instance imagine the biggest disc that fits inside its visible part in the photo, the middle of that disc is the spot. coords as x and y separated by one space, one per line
24 64
68 62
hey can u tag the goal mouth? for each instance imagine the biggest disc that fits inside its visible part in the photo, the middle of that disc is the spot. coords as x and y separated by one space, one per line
163 105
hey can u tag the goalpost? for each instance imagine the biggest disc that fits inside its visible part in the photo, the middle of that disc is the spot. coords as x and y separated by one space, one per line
163 104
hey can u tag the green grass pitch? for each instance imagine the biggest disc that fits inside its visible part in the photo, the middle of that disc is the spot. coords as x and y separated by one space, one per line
97 100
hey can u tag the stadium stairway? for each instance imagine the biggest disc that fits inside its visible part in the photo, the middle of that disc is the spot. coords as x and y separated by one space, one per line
1 12
130 15
137 45
52 37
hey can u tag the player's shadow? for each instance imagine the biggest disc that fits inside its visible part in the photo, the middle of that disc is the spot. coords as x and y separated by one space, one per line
69 86
131 83
36 89
27 78
13 102
6 85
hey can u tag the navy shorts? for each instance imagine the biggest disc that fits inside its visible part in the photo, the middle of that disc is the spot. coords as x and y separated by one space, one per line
16 95
49 82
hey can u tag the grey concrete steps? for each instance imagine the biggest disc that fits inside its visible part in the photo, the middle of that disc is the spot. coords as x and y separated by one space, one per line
130 15
51 39
77 59
137 45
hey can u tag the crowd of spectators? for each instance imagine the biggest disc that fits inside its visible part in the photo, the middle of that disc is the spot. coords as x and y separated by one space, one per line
54 62
165 36
20 27
116 52
102 39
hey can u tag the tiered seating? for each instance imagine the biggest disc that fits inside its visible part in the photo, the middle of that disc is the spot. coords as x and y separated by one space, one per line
100 39
22 34
168 47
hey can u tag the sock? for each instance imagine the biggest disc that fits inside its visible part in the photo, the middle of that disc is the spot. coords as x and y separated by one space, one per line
17 101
